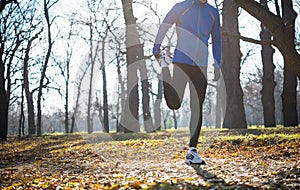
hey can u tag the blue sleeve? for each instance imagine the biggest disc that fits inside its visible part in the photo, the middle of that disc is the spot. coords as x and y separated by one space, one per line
167 23
217 41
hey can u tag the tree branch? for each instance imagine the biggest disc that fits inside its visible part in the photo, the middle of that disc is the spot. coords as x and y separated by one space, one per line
3 3
277 8
278 29
251 40
273 22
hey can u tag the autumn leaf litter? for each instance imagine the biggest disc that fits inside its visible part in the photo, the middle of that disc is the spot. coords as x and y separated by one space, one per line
245 159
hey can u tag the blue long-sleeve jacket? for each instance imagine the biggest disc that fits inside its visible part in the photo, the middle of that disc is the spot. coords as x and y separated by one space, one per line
195 23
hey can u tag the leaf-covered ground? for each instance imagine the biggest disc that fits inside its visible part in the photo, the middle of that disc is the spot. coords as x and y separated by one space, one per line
236 159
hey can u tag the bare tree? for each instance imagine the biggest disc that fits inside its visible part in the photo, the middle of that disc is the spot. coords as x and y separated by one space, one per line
104 81
157 105
235 113
28 93
268 82
252 84
47 5
4 100
104 35
136 61
119 54
78 84
283 31
122 94
94 43
92 58
3 95
279 28
133 54
153 12
22 115
65 67
12 35
289 94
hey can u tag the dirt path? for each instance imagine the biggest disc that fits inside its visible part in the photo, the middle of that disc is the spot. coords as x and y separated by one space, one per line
268 160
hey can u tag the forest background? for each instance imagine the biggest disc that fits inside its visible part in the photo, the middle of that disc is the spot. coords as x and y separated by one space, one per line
67 66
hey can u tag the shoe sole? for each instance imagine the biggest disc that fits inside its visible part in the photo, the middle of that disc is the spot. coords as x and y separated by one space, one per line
191 163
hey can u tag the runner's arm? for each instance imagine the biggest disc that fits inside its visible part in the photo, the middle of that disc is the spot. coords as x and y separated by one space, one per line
167 23
217 42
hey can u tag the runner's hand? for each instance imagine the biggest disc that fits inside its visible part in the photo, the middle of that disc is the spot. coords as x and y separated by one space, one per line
157 56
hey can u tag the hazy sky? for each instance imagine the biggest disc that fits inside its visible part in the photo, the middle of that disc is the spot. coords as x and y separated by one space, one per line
248 25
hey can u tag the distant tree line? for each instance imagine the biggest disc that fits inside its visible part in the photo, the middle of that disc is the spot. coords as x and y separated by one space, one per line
41 48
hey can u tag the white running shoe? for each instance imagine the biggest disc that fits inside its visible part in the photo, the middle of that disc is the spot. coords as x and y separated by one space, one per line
192 157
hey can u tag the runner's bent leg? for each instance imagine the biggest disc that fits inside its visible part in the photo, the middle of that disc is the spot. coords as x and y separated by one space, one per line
174 86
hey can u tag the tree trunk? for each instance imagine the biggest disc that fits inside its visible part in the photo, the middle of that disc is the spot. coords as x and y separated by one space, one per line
120 119
131 120
72 123
67 83
268 82
89 105
28 93
76 107
220 103
279 30
105 103
165 118
5 93
67 110
67 77
175 119
289 98
157 104
93 55
3 100
21 118
135 60
44 69
67 97
289 94
30 107
235 112
148 122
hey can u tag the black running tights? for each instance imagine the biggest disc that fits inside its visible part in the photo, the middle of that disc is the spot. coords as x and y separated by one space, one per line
174 87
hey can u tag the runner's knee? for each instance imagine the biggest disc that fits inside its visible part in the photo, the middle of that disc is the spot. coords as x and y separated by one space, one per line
174 105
